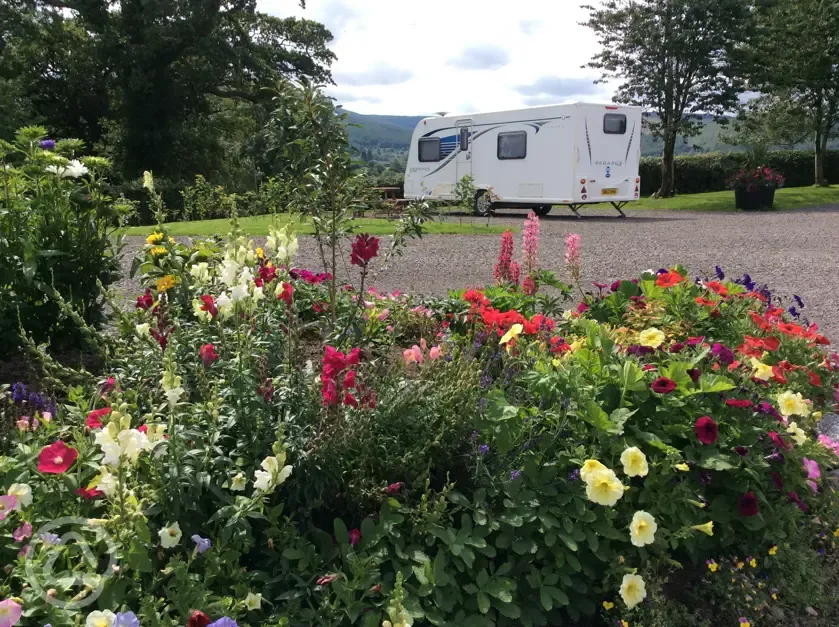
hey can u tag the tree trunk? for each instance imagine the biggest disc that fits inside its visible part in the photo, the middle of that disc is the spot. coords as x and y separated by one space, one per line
667 174
821 154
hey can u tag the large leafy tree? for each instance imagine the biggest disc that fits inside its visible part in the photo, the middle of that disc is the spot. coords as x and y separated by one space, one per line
796 59
677 58
157 81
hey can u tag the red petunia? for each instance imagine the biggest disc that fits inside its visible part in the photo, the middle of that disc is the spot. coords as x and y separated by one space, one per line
694 374
738 402
747 504
286 294
706 430
792 496
198 619
94 418
89 493
778 440
208 354
209 305
669 279
56 458
717 288
663 385
814 378
364 248
707 302
788 328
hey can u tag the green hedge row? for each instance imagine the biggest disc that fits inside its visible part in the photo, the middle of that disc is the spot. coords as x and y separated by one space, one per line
709 173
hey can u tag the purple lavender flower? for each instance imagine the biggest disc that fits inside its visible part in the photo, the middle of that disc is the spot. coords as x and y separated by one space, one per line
483 449
126 619
515 474
48 144
201 544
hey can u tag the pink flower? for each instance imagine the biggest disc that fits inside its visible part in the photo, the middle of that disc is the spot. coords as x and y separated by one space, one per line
572 250
46 416
515 272
22 532
23 424
383 316
10 613
326 580
505 257
8 502
412 355
528 286
434 353
394 488
530 243
811 467
56 458
828 443
354 536
364 248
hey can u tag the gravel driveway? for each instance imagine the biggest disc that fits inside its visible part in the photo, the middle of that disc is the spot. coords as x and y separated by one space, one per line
794 252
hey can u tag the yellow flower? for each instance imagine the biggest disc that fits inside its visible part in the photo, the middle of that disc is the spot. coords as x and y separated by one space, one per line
817 415
624 623
745 624
773 550
634 462
761 371
621 559
651 337
698 504
791 404
608 605
154 238
642 529
836 534
165 283
683 467
158 250
589 468
633 590
774 596
740 565
797 433
260 253
148 181
753 563
707 528
604 488
514 331
713 566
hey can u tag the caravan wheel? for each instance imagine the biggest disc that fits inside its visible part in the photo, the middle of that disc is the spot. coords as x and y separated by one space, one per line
543 210
483 204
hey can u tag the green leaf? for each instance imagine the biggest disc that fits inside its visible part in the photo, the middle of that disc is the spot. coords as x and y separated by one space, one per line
138 557
714 460
342 536
546 598
483 602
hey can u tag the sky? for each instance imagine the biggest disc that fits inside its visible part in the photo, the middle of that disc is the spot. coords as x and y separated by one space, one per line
403 57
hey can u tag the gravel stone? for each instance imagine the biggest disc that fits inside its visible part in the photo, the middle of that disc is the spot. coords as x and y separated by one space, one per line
829 426
791 251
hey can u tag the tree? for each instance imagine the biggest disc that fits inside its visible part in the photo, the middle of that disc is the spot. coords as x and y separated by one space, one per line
795 57
151 79
678 58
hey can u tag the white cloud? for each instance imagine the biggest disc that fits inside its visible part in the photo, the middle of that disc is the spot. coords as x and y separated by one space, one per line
416 58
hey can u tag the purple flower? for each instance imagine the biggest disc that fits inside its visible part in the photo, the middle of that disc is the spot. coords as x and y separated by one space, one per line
723 354
49 539
793 312
742 451
746 282
483 449
639 350
574 475
798 300
18 393
201 544
515 474
720 274
126 619
48 144
766 409
224 621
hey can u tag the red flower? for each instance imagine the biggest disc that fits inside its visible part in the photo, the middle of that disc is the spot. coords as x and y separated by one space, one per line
582 308
747 504
198 619
208 354
108 386
669 279
663 385
364 248
788 328
394 488
267 274
286 294
777 479
94 418
648 367
694 374
738 402
146 301
814 378
89 493
56 458
354 536
706 301
778 375
706 430
778 440
326 580
717 288
792 496
209 305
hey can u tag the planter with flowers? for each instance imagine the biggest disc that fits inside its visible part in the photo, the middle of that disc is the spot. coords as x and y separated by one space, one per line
754 188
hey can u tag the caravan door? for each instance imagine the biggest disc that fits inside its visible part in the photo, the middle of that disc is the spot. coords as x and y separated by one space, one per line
464 149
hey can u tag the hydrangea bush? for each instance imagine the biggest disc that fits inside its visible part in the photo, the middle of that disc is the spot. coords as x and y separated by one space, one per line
264 449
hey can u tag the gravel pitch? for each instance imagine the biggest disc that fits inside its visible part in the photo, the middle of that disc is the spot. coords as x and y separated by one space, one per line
794 252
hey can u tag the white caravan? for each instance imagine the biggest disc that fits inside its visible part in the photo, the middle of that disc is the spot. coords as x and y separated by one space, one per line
570 154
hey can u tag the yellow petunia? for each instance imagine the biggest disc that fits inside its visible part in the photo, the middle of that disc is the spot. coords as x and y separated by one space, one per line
652 337
154 238
166 283
642 529
791 404
589 467
514 331
633 590
634 462
604 488
683 467
796 433
707 528
761 370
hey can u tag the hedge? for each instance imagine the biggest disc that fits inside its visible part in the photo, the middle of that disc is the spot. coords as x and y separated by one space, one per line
709 173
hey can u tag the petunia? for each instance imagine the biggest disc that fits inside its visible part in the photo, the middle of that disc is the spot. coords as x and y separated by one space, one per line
513 332
793 404
253 601
634 462
668 279
747 505
739 402
633 590
22 492
198 619
723 354
94 418
642 529
170 535
663 385
811 467
22 532
201 544
10 613
56 458
604 488
105 618
761 370
354 536
706 430
651 338
224 621
792 496
707 528
126 619
778 440
589 467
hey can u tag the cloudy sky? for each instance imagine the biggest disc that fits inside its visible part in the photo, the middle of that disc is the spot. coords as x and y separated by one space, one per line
417 58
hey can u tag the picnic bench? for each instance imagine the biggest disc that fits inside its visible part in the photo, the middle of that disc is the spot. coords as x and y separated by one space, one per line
391 203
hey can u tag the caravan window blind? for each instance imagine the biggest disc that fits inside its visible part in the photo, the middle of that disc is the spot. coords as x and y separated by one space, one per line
512 145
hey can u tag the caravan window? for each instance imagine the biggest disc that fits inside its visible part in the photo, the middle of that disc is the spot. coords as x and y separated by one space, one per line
429 149
512 145
464 138
614 124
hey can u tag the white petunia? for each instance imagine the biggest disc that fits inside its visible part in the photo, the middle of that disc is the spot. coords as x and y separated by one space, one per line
170 536
105 618
253 601
23 493
238 482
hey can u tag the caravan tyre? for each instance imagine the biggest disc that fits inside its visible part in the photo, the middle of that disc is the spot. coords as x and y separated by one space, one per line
483 204
542 211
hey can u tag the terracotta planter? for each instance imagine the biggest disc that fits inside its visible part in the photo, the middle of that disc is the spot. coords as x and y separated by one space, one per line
759 198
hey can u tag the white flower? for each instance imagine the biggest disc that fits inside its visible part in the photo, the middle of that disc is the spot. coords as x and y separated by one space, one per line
224 304
633 590
112 452
238 482
155 434
74 169
171 384
239 292
201 314
284 474
792 404
143 329
273 473
262 480
105 618
253 601
642 529
797 433
229 271
23 493
200 272
271 465
258 294
170 536
132 443
107 482
246 276
634 462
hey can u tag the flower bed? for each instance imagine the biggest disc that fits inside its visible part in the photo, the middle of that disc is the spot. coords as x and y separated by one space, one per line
266 449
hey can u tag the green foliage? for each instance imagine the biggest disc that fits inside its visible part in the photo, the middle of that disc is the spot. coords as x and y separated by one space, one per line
58 239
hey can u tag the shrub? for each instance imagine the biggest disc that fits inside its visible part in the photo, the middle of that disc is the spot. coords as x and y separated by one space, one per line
272 450
710 173
58 238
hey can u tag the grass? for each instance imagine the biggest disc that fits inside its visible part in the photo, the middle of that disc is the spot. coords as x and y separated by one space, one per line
785 198
258 225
